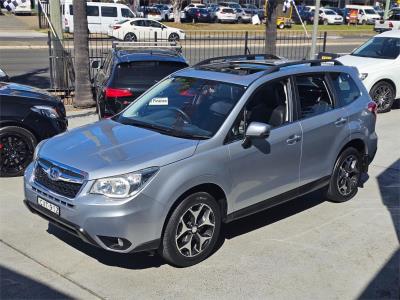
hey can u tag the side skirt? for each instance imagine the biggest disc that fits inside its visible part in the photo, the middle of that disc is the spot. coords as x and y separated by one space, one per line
279 199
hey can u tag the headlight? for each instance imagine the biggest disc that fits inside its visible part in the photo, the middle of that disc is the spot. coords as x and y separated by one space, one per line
123 186
37 149
363 76
47 111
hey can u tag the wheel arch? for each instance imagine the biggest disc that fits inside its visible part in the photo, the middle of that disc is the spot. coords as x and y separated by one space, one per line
387 80
213 189
7 123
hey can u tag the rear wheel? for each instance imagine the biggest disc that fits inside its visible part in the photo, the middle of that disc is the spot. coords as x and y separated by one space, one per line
16 150
281 26
383 94
346 176
130 37
173 37
326 22
192 230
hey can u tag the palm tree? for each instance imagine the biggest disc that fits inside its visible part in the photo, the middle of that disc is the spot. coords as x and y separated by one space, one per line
83 92
270 30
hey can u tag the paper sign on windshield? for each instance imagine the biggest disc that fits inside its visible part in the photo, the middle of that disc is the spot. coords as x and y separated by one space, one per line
159 101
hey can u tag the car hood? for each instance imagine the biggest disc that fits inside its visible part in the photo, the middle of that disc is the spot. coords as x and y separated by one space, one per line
108 148
14 89
365 64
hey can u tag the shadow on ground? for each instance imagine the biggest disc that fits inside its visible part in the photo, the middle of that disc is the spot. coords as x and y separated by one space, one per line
38 78
17 286
385 284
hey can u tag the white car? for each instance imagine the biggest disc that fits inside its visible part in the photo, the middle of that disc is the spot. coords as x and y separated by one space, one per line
378 62
194 5
392 23
226 15
141 29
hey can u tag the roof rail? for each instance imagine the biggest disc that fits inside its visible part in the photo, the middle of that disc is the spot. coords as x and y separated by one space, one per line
311 62
235 58
164 45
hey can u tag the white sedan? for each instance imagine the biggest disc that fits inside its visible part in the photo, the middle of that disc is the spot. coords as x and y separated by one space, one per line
141 29
378 62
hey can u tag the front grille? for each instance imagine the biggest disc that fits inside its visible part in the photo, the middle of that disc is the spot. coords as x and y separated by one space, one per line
64 188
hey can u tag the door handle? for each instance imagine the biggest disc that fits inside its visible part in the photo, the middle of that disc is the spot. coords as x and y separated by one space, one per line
293 139
340 122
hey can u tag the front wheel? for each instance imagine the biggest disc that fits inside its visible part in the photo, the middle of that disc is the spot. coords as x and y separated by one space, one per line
16 150
192 230
130 37
346 176
383 95
326 22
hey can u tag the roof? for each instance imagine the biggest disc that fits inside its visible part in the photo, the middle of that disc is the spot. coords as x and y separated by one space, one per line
128 55
390 33
245 72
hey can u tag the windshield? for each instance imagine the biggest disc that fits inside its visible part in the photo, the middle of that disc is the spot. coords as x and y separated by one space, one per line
329 12
380 47
184 107
370 11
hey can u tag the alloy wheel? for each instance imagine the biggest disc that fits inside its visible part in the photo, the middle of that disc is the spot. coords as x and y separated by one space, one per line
15 154
348 175
382 97
195 230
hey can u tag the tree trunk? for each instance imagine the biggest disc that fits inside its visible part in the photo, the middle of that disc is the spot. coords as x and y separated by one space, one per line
271 30
83 90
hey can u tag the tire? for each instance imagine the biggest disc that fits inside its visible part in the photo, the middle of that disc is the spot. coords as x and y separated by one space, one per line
191 253
305 22
173 37
346 176
16 150
383 95
281 26
325 22
239 20
363 22
130 37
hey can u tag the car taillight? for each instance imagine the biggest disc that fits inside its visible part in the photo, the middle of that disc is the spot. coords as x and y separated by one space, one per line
390 25
117 93
372 107
198 14
116 27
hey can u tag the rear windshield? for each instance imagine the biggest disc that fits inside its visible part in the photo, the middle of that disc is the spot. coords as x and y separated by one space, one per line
143 72
228 10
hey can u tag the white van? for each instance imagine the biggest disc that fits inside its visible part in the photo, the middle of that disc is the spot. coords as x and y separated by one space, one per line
366 14
100 15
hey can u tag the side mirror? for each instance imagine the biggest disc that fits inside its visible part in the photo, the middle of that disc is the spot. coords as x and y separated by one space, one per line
256 130
96 64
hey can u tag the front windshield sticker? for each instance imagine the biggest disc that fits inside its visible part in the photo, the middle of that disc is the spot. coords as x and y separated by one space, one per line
159 101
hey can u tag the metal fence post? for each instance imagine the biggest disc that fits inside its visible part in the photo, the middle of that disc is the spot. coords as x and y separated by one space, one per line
50 60
246 43
155 36
324 43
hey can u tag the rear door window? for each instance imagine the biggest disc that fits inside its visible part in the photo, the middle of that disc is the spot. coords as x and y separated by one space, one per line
92 11
110 12
314 95
126 13
345 87
142 72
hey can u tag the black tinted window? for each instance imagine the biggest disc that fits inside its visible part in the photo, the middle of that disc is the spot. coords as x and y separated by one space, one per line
313 95
109 12
346 88
142 72
92 11
126 13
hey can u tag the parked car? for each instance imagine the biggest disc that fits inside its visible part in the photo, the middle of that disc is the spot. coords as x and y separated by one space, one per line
198 15
23 8
141 29
205 146
100 15
378 62
164 9
243 15
328 16
128 72
153 13
392 23
306 16
194 5
366 14
27 117
3 76
226 15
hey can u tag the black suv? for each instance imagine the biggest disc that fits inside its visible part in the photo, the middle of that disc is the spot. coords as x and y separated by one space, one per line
127 72
27 116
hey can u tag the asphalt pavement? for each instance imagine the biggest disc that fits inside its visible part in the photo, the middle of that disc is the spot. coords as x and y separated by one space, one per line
305 249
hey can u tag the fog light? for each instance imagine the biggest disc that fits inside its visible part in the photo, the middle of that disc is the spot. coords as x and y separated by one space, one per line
115 243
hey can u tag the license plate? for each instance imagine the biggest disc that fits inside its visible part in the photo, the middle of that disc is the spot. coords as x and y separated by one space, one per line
49 206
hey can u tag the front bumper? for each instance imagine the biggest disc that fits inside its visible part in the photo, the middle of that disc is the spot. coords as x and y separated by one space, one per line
98 220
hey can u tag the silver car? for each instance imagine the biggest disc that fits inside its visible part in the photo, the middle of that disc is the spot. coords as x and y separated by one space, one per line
206 145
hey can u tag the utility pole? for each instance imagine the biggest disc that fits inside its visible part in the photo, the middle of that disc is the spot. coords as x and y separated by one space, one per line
55 17
57 51
315 30
387 7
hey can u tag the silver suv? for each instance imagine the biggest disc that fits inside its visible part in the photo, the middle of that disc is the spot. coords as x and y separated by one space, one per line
206 145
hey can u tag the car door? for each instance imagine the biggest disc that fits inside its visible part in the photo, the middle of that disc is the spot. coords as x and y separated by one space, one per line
93 17
269 167
324 124
109 16
156 28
